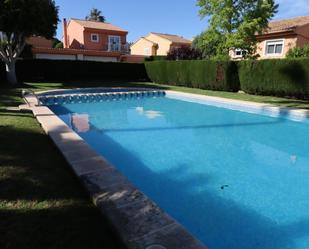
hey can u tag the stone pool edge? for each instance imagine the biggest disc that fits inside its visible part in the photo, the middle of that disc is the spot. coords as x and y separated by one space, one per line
137 220
247 105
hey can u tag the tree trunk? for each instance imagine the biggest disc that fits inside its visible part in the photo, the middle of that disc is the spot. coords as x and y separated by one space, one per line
11 73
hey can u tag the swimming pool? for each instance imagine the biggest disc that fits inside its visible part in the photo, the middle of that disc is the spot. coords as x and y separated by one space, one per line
232 177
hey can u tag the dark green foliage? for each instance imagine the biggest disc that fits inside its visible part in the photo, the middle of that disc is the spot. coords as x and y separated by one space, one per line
27 52
2 72
95 15
156 58
233 24
59 45
184 53
48 70
20 19
289 77
299 52
212 75
29 17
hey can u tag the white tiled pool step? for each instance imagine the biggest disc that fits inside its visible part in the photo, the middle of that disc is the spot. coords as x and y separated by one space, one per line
97 97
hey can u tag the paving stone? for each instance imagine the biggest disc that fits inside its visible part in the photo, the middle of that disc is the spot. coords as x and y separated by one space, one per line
173 236
42 111
80 153
66 145
137 220
52 126
68 137
90 165
97 182
120 195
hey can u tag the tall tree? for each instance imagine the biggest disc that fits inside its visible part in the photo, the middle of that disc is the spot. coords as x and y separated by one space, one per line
95 15
235 23
20 19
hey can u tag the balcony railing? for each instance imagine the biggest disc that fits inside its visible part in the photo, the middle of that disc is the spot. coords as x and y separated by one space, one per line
114 47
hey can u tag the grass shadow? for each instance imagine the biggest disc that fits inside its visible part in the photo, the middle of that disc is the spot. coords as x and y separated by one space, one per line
63 227
42 204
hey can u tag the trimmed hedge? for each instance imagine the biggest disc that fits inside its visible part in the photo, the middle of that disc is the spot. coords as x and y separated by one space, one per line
212 75
38 70
49 70
2 72
156 58
277 77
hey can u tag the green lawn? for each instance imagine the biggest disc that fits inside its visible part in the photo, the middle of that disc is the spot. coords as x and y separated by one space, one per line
42 204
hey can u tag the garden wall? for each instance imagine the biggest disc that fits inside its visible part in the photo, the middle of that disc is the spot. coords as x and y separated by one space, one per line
212 75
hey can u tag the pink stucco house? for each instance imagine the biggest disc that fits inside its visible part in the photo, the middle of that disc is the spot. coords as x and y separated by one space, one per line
279 38
90 35
88 40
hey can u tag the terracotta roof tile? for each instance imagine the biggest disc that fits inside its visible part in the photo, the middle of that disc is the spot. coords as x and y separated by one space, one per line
98 25
173 38
287 24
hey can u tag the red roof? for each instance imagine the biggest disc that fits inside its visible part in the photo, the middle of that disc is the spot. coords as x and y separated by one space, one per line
98 25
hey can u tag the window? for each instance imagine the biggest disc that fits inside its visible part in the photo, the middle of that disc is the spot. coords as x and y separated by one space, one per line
239 53
114 43
274 47
94 37
146 51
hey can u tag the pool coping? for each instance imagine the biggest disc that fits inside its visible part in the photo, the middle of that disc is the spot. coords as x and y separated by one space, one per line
138 221
242 105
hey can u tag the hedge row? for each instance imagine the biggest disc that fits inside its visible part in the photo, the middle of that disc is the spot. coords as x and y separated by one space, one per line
48 70
213 75
285 77
156 58
2 72
277 77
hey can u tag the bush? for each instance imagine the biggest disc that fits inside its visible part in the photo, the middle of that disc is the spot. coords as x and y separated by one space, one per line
59 45
48 70
156 58
184 53
299 52
212 75
286 78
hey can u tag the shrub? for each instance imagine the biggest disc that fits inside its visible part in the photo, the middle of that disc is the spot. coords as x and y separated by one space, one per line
212 75
299 52
184 53
59 45
156 58
287 77
48 70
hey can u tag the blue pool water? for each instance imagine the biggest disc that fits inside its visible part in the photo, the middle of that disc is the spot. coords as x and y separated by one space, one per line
233 179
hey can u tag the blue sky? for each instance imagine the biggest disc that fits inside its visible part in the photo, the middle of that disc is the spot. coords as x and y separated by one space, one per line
140 17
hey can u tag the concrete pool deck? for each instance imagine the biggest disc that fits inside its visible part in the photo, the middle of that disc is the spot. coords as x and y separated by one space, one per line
139 222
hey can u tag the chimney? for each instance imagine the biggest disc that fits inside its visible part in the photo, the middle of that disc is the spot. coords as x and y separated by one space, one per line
65 33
